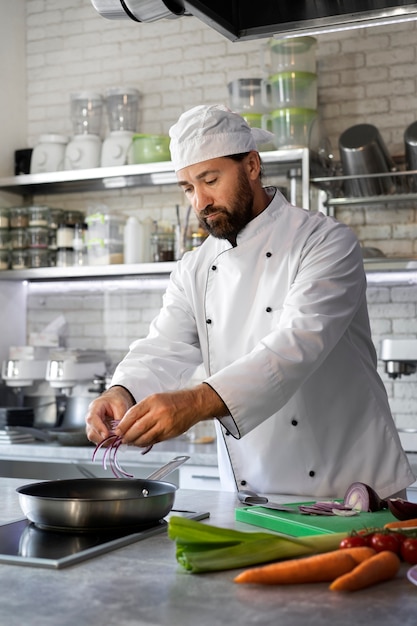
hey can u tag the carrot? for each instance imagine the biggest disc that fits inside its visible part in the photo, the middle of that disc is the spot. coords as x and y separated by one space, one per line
380 567
408 523
317 568
361 553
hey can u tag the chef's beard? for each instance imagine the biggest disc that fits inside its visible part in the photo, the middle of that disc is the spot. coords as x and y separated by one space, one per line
234 218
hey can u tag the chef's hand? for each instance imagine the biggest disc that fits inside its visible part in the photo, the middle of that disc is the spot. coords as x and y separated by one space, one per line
163 416
111 405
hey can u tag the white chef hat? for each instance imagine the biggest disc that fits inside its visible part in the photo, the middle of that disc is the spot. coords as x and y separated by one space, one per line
211 131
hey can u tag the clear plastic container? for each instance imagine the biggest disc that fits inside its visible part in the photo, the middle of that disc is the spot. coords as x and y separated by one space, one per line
103 225
38 236
292 53
19 259
38 215
104 252
18 238
292 127
38 257
246 95
18 217
4 239
291 90
4 260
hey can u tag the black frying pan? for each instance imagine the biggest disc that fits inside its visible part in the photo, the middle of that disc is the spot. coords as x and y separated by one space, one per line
87 504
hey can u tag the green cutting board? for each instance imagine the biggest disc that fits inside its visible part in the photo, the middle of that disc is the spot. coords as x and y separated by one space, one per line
298 525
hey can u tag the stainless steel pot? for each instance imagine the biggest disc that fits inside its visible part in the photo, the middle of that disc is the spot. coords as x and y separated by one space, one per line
88 504
363 152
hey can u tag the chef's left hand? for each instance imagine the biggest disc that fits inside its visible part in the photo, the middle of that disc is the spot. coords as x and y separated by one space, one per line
166 415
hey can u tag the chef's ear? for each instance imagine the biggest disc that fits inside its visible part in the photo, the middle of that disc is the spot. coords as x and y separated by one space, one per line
253 165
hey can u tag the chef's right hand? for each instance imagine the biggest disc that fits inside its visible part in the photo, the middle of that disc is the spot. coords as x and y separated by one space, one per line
111 405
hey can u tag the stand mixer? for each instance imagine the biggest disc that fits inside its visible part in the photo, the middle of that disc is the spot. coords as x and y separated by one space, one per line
122 111
84 149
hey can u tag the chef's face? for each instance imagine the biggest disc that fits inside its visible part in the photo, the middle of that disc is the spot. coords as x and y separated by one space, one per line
221 194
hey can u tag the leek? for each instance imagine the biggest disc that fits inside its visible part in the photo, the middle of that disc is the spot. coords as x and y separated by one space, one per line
205 548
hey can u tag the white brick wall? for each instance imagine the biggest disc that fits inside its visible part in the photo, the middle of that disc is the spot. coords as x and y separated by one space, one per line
367 75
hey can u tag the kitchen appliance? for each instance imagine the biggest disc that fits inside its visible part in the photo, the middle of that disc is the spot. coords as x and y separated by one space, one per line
399 356
22 543
400 359
49 154
122 111
243 20
300 525
84 149
68 367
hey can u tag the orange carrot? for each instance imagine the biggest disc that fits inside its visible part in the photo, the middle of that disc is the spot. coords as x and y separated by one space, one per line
316 568
380 567
408 523
361 553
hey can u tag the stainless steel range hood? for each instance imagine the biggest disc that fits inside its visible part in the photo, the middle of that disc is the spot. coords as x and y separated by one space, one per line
246 19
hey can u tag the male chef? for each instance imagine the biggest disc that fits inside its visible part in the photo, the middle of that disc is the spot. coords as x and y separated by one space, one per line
273 304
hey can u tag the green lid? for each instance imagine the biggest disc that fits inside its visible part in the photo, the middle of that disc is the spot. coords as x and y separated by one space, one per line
291 75
293 45
310 113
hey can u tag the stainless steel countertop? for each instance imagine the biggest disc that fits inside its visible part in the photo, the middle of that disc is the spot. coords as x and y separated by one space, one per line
142 584
200 454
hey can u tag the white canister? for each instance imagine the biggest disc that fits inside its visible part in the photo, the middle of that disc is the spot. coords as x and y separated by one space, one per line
48 155
83 152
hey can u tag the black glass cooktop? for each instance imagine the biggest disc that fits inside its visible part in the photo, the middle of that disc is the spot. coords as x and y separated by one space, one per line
23 543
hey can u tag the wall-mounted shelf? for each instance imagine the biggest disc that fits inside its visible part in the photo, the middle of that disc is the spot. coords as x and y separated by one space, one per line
276 162
88 272
404 189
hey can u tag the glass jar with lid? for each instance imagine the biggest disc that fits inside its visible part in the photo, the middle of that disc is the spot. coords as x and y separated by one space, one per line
4 259
73 217
38 257
19 259
18 217
38 236
18 238
4 239
38 215
4 218
56 217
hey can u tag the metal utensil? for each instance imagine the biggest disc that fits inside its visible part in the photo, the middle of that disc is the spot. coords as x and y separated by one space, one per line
253 499
89 504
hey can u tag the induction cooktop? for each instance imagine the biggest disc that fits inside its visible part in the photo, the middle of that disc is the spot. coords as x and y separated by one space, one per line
23 543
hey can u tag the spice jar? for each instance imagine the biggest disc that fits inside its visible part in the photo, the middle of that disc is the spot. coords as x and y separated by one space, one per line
38 236
38 216
19 259
73 217
56 217
4 218
4 239
18 238
18 217
4 259
38 257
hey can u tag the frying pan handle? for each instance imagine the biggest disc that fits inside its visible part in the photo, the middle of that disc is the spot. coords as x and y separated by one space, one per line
168 468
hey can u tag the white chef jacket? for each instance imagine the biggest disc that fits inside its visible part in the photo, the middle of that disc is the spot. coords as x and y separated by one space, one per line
281 324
